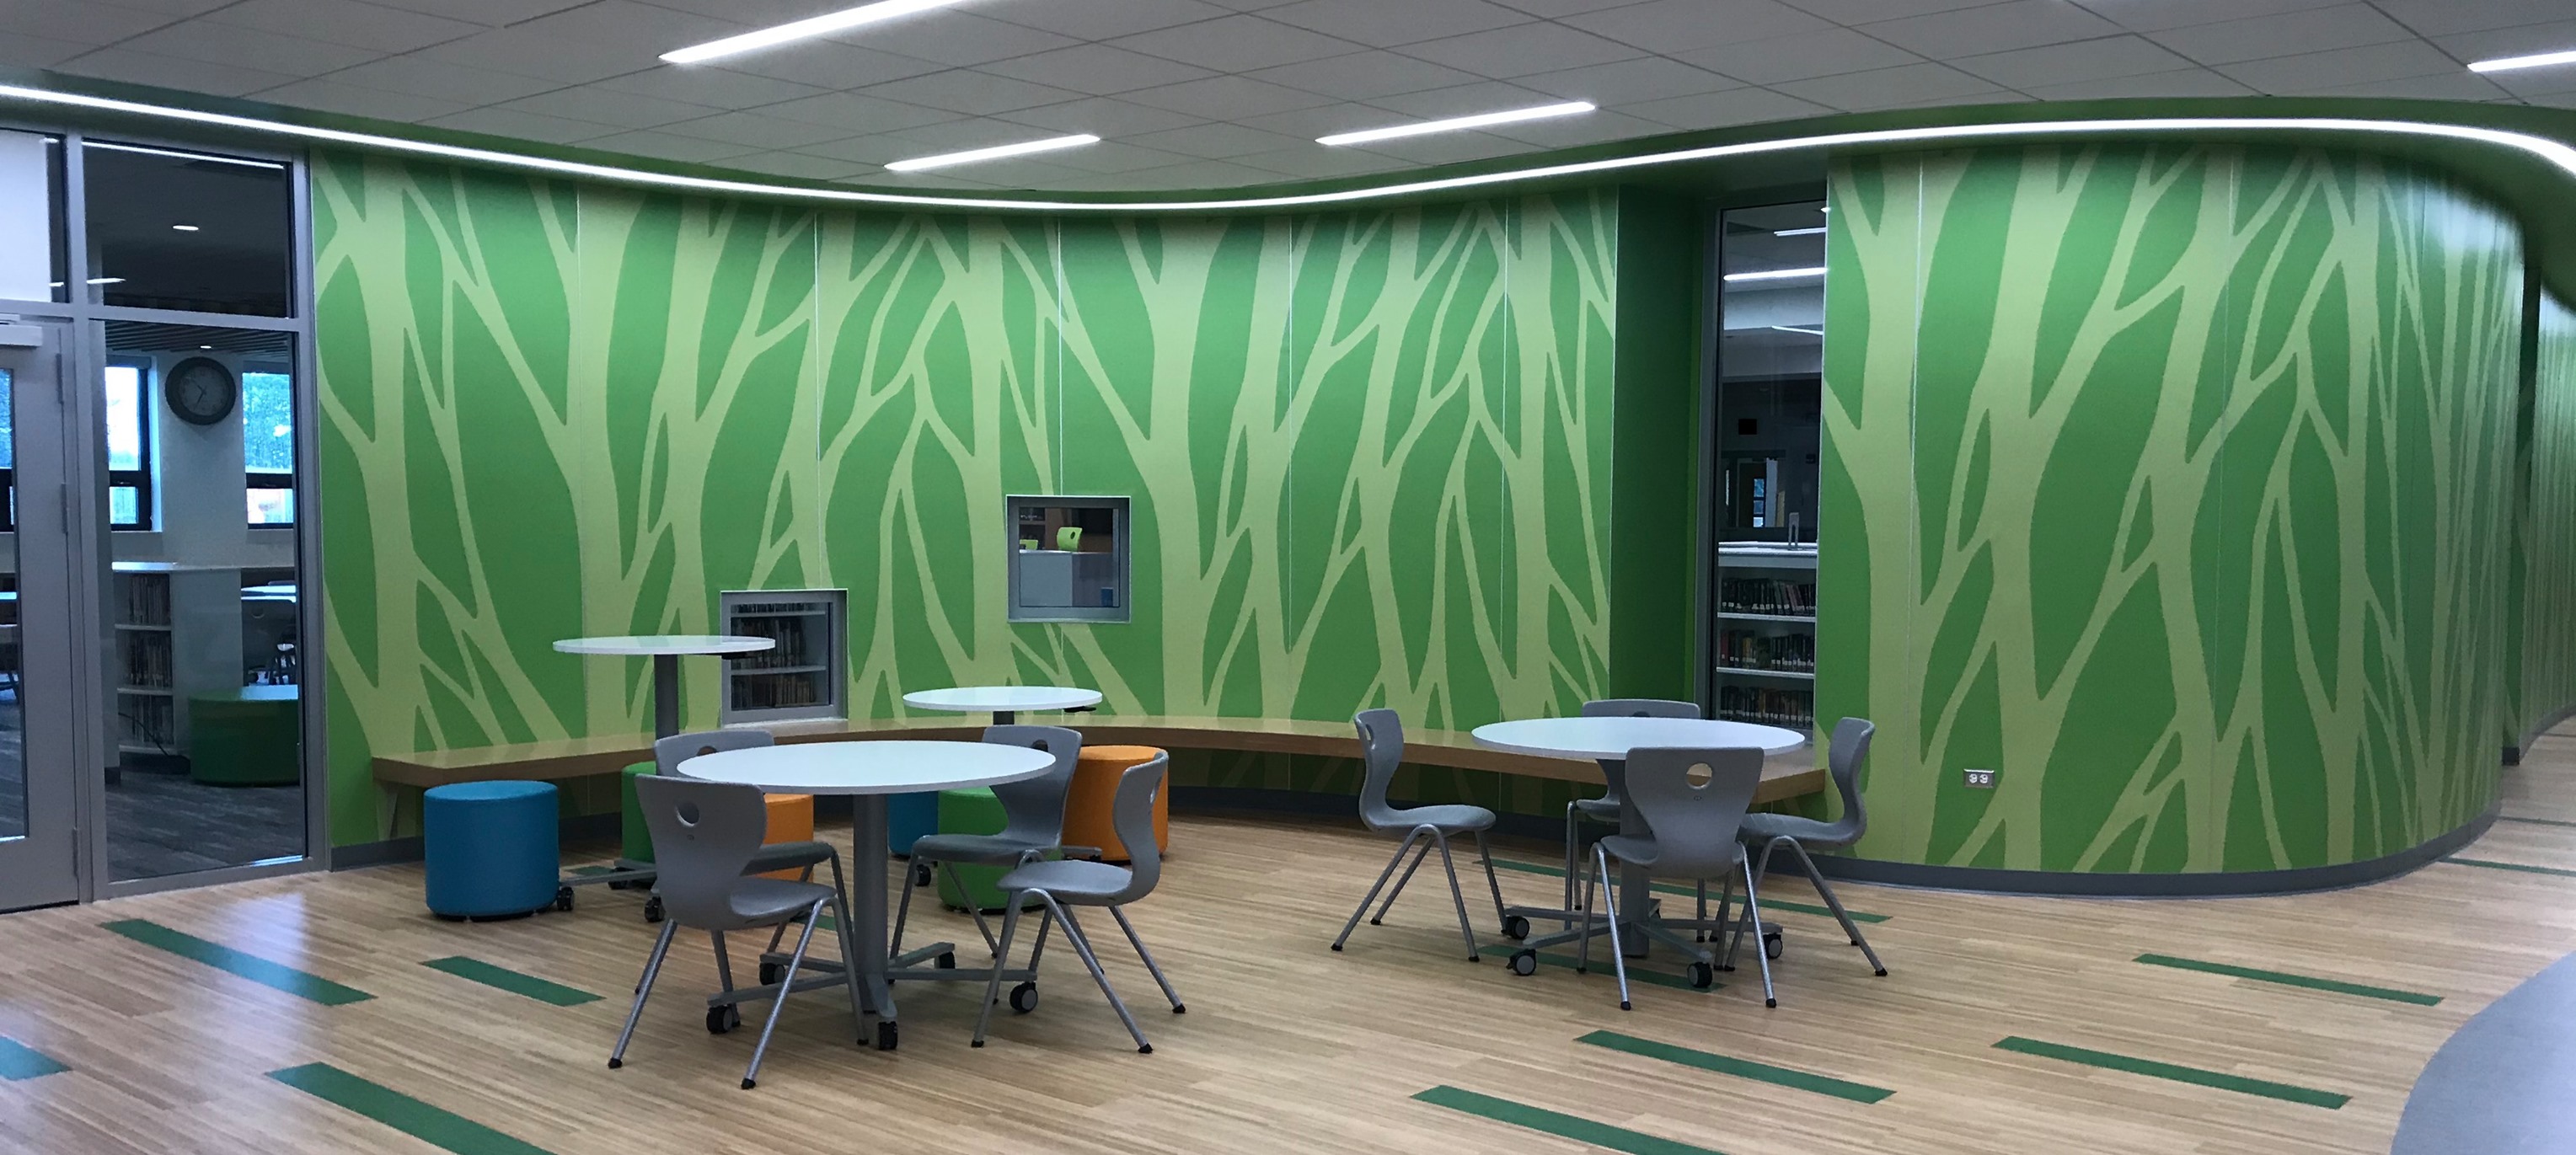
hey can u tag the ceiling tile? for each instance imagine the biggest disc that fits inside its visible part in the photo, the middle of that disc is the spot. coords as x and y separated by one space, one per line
381 103
2344 26
1101 116
713 87
1445 148
492 12
2069 63
38 51
1671 27
1828 53
796 164
349 22
1718 109
420 76
1462 100
1105 19
2535 81
77 21
1097 69
1218 141
2312 71
665 146
1590 128
826 64
871 152
1554 9
1023 174
598 40
2158 15
1226 98
1628 81
962 135
2523 40
1385 25
170 9
1863 11
1324 120
232 43
1236 44
753 130
173 72
523 125
1115 156
609 107
1364 75
918 182
855 112
2181 82
971 92
1311 162
1522 50
1206 174
2442 17
952 37
1992 28
1890 87
2461 85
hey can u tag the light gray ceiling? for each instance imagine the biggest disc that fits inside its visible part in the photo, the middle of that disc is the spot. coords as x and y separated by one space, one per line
1217 93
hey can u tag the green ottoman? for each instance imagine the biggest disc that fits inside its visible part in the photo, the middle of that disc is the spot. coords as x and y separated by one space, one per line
973 811
246 736
634 842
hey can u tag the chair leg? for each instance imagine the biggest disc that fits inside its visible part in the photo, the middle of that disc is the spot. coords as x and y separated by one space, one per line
1753 915
1618 953
643 991
779 933
981 927
1702 916
724 962
1151 967
1492 883
850 960
1374 887
786 983
1583 941
1835 902
1379 918
1456 895
1001 958
903 907
1046 922
1082 946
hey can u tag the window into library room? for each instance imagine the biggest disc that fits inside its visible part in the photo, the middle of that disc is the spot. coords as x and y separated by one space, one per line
1068 559
129 443
268 443
178 229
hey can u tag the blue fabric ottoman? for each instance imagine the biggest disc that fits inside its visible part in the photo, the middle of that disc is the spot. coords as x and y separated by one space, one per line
490 848
908 817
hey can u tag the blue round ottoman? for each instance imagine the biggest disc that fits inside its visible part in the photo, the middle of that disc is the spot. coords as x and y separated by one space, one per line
490 849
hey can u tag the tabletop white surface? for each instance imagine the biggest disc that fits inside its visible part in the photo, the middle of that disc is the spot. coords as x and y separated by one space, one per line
1614 737
981 699
653 644
888 767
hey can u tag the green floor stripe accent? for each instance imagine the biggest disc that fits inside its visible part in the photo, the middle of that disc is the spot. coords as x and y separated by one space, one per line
1740 1068
476 970
1505 864
1601 966
2193 1075
20 1061
1541 1119
439 1128
2311 982
252 967
2534 821
2560 872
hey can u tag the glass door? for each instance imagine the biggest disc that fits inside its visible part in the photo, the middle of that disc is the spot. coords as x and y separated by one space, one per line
39 759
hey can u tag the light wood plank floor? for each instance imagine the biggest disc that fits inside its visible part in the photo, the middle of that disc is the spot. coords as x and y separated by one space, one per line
1288 1046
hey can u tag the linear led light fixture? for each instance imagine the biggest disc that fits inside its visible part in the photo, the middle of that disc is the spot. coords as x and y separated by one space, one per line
997 152
2554 153
2537 60
812 26
1799 232
1458 123
1777 274
204 156
1795 329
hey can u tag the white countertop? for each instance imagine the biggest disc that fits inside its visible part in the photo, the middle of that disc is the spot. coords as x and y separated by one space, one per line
887 767
1612 738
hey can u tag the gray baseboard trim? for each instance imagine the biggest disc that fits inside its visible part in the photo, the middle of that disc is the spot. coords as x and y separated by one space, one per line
360 855
2216 884
2513 753
1261 803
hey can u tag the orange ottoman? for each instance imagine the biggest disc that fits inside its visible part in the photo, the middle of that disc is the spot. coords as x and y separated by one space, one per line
791 819
1087 819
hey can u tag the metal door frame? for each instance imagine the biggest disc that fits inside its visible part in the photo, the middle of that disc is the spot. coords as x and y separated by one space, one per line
47 866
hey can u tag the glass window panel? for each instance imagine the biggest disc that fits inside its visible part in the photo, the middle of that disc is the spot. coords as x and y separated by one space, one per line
31 251
124 417
175 229
124 505
268 423
8 423
272 506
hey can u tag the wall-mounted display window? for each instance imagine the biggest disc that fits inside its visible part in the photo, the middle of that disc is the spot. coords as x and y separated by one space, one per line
1068 559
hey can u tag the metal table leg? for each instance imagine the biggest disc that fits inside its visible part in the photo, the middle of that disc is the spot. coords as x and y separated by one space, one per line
666 695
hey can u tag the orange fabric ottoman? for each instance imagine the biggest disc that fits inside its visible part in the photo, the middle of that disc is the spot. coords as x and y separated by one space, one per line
791 819
1087 819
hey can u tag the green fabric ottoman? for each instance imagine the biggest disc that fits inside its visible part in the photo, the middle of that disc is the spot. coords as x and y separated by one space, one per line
973 811
634 842
246 736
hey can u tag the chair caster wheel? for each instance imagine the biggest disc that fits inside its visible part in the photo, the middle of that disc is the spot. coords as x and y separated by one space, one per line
1525 963
748 1084
1147 1049
768 973
1772 944
1516 928
1882 972
1178 1009
614 1064
977 1043
722 1020
563 898
1702 976
1024 998
885 1035
947 961
1623 1006
653 909
921 876
1770 1002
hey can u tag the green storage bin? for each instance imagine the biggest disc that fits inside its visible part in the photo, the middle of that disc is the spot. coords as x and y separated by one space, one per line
973 811
245 736
635 843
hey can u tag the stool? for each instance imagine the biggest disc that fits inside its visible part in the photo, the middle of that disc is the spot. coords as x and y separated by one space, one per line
490 850
791 819
1087 818
244 736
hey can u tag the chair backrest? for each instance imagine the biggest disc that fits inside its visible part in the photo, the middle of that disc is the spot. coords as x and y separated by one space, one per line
1611 771
704 833
1850 747
1694 825
1033 808
1381 751
1069 538
1131 814
669 752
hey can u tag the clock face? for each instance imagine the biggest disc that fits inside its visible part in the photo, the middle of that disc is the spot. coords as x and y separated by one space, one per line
201 391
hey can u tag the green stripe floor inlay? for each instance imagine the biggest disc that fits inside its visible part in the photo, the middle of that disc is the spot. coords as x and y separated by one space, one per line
439 1128
252 967
1740 1068
2534 821
1556 1123
2193 1075
1506 864
2311 982
2561 872
476 970
1601 965
20 1061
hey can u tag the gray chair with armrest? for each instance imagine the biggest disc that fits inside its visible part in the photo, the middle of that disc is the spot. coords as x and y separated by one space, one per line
1697 828
1850 746
1382 749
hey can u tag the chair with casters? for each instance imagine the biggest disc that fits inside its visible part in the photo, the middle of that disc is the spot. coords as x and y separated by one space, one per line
801 855
1062 884
1773 831
1382 749
1696 838
1032 825
1605 809
706 836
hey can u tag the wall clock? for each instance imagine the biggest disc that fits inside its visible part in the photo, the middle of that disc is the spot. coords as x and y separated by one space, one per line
200 390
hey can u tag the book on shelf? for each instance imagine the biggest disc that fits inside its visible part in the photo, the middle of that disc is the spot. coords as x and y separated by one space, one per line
1789 709
1747 650
1785 597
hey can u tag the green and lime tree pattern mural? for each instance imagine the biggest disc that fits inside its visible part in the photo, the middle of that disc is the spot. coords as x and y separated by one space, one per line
2173 483
1369 451
2548 681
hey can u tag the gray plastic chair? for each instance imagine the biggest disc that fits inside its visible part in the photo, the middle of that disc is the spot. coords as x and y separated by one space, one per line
1696 838
1065 883
668 753
1032 823
1605 809
1850 747
705 835
1382 748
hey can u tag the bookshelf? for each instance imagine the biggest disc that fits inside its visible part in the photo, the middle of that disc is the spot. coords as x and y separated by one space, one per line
804 675
1766 638
177 632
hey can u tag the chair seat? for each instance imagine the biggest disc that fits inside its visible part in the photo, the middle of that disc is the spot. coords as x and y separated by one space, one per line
977 849
1643 852
788 856
1454 819
1809 832
761 901
1070 880
1598 809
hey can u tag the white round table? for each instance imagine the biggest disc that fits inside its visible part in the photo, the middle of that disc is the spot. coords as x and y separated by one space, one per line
868 772
665 650
1005 702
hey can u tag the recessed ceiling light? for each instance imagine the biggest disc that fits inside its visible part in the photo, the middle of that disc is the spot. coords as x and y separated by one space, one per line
996 152
107 280
1457 123
212 159
2540 60
823 25
193 228
1799 232
1777 274
1795 329
205 346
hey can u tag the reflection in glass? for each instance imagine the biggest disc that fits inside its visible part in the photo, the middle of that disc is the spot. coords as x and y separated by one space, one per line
1771 371
268 445
173 229
129 473
13 730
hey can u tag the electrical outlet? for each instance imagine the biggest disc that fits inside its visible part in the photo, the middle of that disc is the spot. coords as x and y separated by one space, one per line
1981 779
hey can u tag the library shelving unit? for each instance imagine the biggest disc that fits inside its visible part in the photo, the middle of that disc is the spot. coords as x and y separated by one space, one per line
178 633
1766 638
805 675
